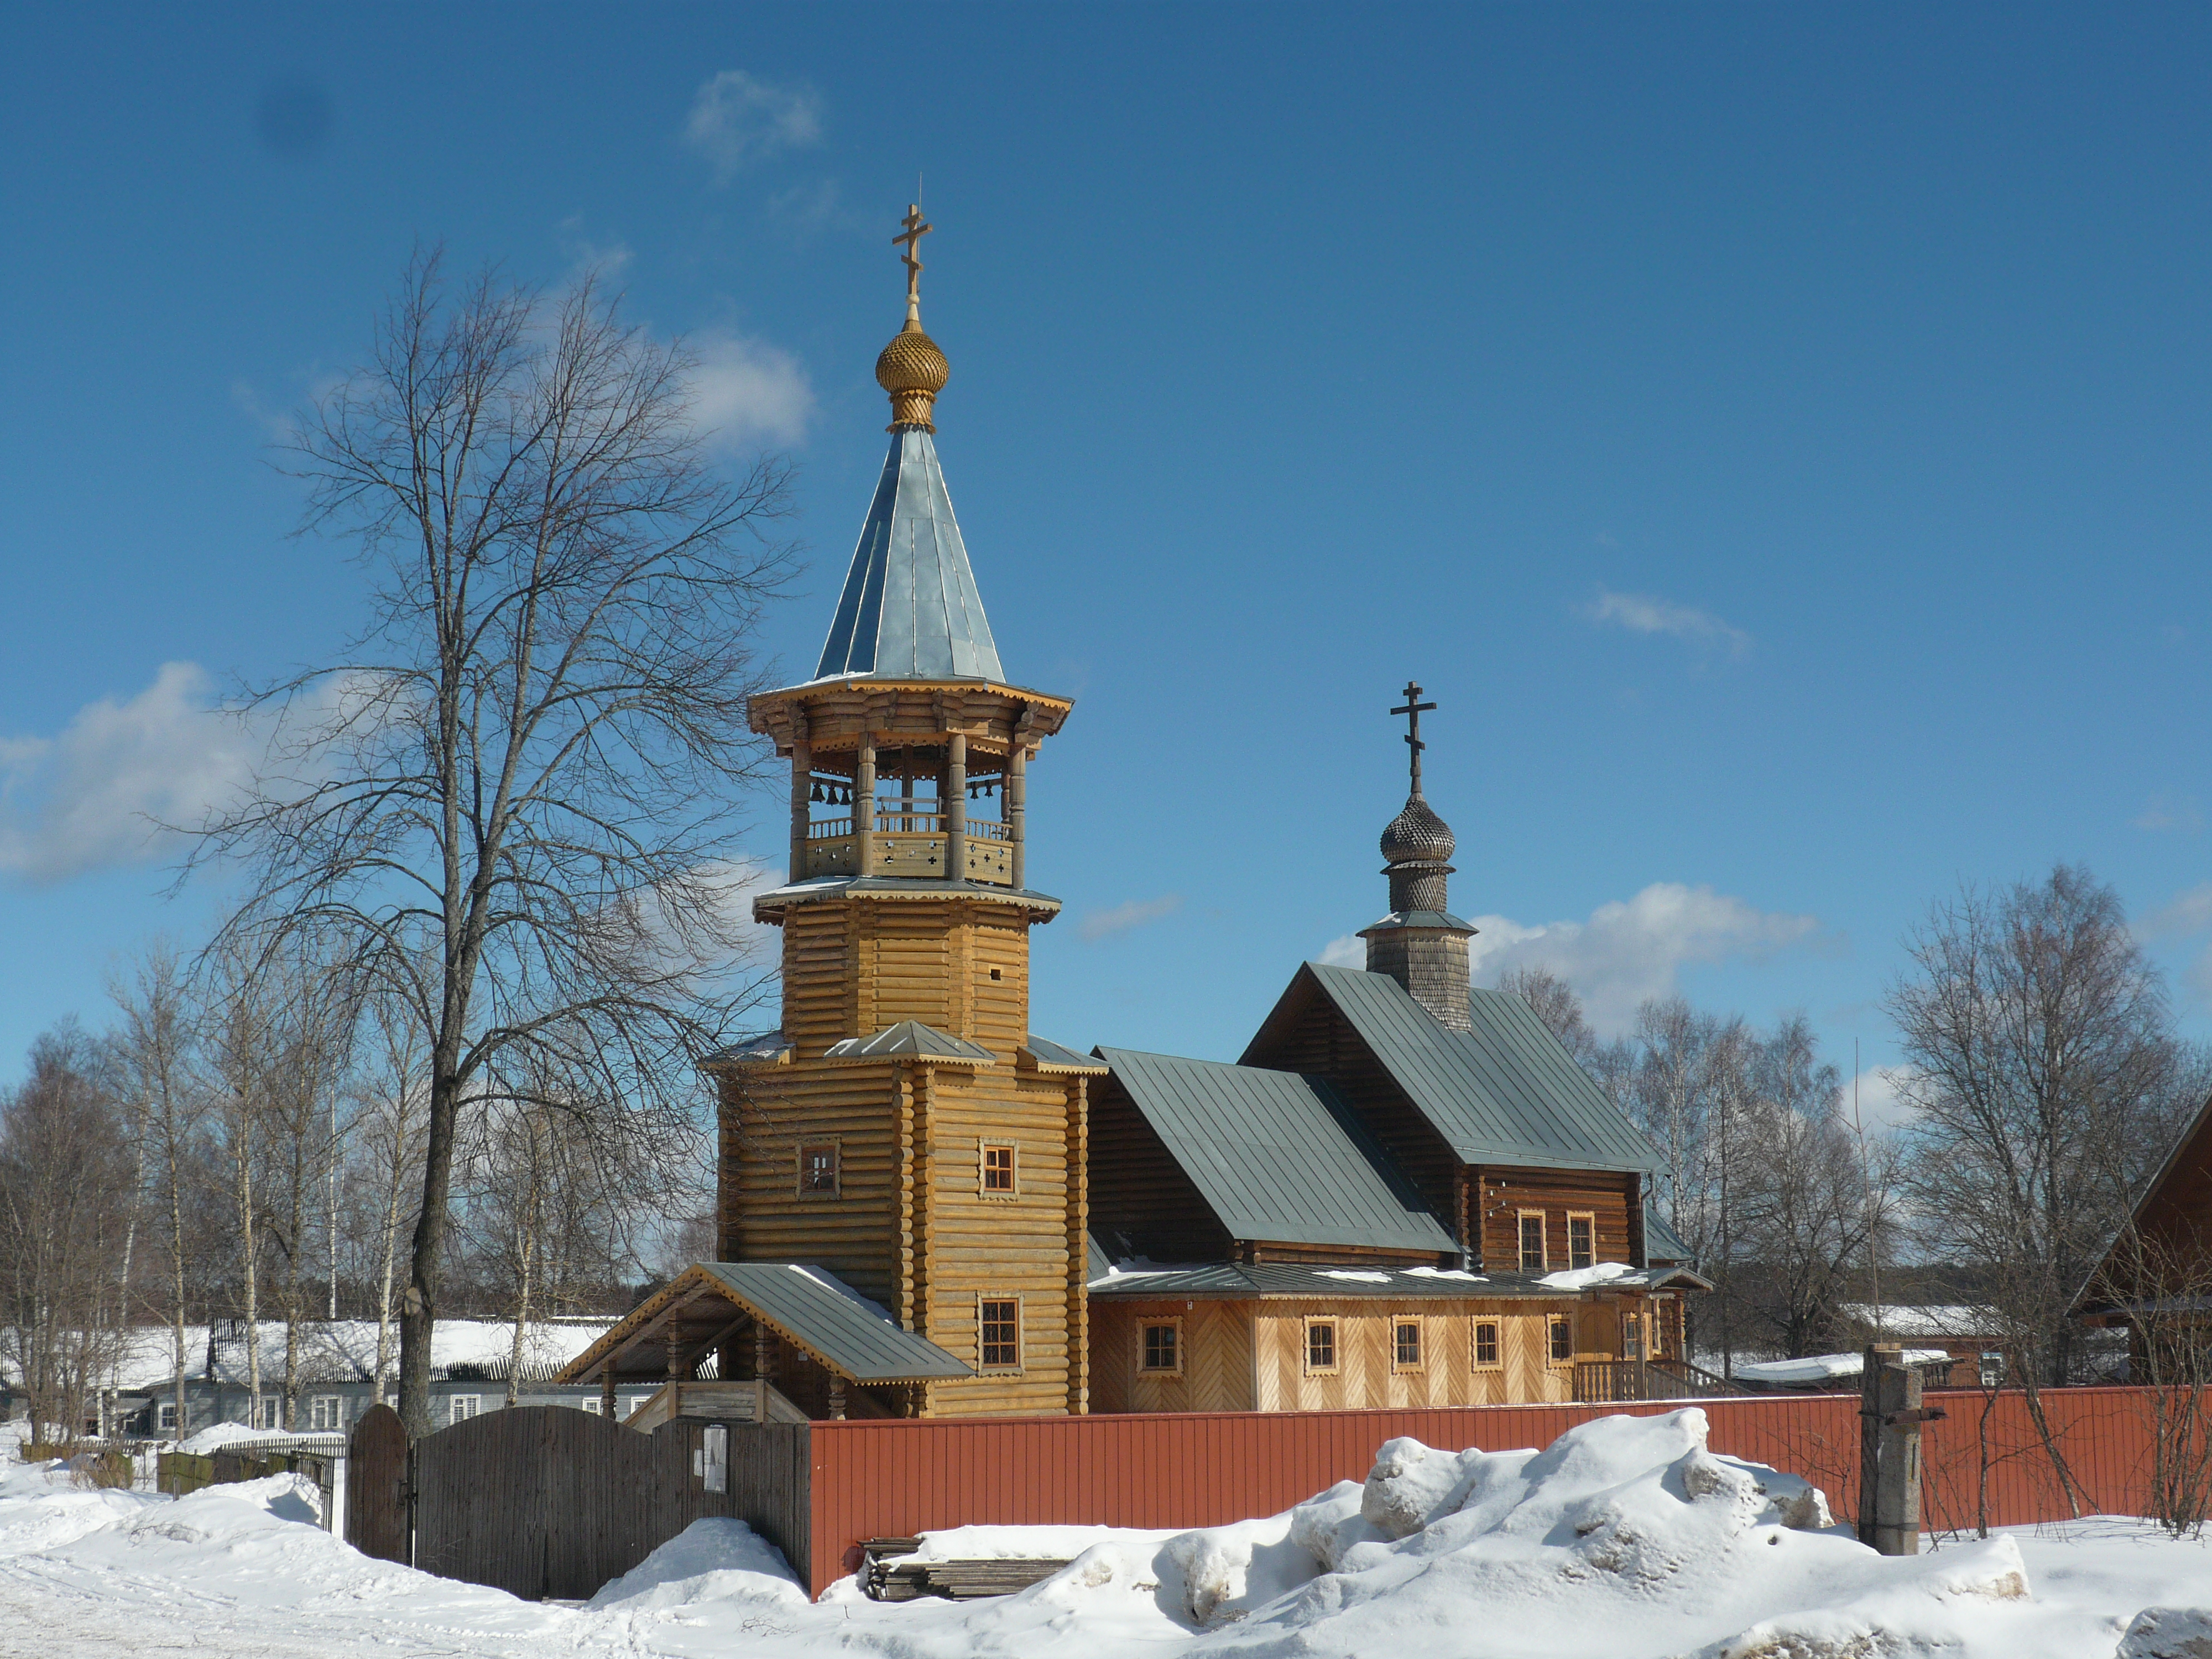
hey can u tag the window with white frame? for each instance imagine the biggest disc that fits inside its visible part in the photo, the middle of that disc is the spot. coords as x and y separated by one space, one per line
269 1413
165 1417
326 1412
590 1403
463 1407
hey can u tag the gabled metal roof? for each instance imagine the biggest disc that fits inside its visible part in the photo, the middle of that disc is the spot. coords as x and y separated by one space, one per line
1503 1092
1277 1157
1660 1242
819 1311
909 609
1056 1058
910 1039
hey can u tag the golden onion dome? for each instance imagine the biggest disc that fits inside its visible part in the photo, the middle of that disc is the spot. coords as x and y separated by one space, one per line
913 371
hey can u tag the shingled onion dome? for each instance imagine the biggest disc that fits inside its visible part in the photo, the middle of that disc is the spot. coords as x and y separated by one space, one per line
913 371
1417 850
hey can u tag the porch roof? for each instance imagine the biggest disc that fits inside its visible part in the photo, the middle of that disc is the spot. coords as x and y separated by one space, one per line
709 1302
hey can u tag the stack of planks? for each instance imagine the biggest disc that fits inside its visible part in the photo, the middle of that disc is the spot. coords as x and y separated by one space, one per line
890 1574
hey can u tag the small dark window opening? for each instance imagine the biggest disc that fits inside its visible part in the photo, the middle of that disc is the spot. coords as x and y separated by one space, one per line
1486 1342
1002 1334
994 973
1532 1243
998 1169
1159 1348
1580 1252
1321 1347
1408 1345
818 1169
1563 1339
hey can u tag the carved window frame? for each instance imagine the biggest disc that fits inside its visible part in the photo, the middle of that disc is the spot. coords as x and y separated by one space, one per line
1013 1190
1400 1365
1145 1329
1588 1218
1334 1327
1521 1220
988 1368
1496 1328
1553 1324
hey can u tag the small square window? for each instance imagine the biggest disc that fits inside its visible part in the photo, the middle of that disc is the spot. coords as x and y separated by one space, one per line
1582 1241
463 1407
1321 1347
998 1170
1532 1240
592 1405
1162 1349
818 1170
995 974
1485 1345
1001 1342
1405 1344
326 1412
1561 1345
166 1417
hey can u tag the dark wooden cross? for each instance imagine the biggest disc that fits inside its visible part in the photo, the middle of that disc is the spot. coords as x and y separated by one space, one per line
912 235
1413 709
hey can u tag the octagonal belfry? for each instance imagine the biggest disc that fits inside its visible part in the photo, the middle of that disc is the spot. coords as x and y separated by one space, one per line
902 1128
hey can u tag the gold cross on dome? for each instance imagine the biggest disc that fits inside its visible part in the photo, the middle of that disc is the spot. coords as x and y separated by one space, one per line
912 235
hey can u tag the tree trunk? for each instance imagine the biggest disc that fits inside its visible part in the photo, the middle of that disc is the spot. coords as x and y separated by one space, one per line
418 1314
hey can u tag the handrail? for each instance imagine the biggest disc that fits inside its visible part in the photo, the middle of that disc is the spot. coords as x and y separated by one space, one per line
828 829
899 821
989 829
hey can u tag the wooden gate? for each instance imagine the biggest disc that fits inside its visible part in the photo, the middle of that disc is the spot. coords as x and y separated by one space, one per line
376 1485
547 1501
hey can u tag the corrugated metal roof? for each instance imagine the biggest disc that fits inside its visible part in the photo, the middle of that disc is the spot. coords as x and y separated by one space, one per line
820 1312
1226 1280
1660 1242
1057 1057
909 609
1276 1156
1505 1092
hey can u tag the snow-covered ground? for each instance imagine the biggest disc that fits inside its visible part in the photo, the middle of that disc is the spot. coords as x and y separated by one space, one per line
1625 1539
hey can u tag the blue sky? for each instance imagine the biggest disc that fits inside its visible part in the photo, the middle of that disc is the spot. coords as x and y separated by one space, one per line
1777 438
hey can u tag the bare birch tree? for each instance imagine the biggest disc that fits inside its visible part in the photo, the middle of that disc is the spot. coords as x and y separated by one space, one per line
514 794
154 1055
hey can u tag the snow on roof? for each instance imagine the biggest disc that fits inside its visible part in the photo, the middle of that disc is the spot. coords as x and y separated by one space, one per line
1605 1273
1933 1319
346 1351
1827 1367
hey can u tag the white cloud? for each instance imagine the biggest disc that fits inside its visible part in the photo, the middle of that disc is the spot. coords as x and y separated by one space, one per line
96 795
1643 613
1101 924
1631 950
736 118
2164 812
1350 951
2187 912
746 392
1883 1106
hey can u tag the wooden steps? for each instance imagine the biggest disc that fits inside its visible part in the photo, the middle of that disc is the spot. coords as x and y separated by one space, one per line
888 1574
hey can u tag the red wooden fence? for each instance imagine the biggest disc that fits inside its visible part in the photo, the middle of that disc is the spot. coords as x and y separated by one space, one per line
893 1479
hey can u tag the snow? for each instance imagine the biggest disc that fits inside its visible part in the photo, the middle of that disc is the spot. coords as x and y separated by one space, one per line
1827 1367
1930 1319
218 1436
1626 1539
1605 1273
345 1348
1448 1273
1353 1274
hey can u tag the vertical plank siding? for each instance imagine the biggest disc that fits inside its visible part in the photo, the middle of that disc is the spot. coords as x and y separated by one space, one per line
1175 1470
548 1501
376 1485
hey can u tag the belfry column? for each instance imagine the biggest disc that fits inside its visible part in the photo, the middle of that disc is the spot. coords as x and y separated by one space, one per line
802 784
955 807
864 806
1018 784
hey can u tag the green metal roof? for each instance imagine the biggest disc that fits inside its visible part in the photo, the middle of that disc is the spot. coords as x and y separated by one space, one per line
1277 1157
818 1310
1227 1281
1660 1242
1058 1057
1505 1092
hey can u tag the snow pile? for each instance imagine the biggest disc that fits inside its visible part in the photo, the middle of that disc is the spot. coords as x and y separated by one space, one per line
717 1560
219 1436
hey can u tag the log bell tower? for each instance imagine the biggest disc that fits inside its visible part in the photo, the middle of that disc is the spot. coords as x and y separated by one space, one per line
902 1128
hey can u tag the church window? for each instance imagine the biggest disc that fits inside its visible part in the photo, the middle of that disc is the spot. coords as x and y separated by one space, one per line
1532 1242
1321 1347
1582 1240
1405 1344
818 1170
999 1319
1162 1354
999 1171
1486 1346
1561 1348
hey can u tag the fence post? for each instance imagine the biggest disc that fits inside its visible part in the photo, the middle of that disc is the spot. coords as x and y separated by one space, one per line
1890 1416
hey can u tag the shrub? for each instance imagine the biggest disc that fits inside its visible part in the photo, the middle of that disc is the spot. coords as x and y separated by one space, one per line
110 1468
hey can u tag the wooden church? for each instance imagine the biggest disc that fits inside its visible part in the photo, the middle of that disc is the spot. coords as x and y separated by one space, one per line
1406 1192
